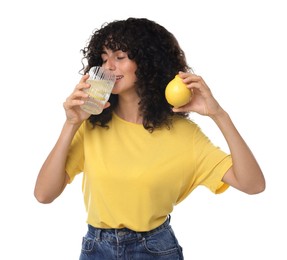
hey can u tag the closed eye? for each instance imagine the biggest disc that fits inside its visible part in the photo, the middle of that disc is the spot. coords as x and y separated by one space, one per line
121 57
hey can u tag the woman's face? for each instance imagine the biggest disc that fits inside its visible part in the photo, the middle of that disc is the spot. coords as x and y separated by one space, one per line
119 63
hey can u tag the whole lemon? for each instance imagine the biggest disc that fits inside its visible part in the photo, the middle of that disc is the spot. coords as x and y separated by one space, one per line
176 92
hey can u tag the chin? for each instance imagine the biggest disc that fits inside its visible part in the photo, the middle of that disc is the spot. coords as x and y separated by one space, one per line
115 90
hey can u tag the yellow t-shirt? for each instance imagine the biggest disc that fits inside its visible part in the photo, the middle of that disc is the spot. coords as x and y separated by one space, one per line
133 178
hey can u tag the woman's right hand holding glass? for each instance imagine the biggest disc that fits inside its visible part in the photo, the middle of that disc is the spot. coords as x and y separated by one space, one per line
72 105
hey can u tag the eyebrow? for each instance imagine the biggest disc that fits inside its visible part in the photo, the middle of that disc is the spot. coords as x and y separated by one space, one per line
116 51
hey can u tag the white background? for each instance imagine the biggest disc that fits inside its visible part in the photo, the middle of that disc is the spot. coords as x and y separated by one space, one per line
239 47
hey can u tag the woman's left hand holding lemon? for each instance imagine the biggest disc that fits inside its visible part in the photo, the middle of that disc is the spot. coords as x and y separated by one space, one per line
202 101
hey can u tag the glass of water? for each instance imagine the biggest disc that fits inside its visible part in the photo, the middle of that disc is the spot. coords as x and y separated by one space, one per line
102 82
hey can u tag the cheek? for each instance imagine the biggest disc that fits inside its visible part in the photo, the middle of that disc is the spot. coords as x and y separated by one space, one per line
126 83
133 78
131 68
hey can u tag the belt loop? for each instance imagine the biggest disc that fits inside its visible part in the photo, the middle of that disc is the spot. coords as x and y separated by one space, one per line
98 234
139 236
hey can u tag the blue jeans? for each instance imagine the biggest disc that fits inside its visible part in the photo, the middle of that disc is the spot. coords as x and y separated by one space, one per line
125 244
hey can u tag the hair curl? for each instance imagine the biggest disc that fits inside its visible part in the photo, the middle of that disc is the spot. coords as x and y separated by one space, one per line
158 57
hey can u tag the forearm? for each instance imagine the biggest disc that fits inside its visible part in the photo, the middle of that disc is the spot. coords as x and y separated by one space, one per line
52 177
247 175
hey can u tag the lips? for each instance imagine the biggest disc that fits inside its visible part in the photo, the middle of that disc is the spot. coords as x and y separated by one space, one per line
119 77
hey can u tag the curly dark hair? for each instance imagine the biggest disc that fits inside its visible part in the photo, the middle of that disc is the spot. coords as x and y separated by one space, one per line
158 57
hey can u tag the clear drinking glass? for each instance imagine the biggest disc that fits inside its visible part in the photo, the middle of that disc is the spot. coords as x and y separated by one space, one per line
102 82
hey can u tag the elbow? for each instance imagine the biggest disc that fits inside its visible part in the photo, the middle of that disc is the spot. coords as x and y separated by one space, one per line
256 189
47 194
42 198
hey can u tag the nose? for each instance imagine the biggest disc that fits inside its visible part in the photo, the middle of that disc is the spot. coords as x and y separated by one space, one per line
109 65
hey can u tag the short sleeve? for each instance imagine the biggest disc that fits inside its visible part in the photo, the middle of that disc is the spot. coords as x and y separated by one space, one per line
211 163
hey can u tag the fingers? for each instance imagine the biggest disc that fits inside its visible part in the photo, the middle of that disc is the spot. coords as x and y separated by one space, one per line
194 82
83 83
107 105
71 103
80 87
78 95
84 78
179 109
188 77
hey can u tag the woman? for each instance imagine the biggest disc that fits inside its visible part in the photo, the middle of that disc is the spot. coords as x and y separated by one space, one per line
141 156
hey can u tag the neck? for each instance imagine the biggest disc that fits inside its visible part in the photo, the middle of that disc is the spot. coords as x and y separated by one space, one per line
128 110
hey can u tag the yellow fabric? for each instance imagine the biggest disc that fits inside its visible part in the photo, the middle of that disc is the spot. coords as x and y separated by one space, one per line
133 178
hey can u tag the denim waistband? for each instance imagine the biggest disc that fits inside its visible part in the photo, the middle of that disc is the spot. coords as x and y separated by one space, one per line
123 234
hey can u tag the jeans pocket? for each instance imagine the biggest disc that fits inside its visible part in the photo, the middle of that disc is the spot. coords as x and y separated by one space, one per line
88 245
161 243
